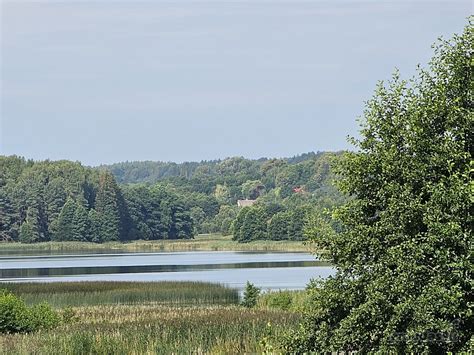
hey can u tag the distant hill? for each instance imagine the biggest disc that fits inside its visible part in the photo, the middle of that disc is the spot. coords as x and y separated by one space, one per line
154 171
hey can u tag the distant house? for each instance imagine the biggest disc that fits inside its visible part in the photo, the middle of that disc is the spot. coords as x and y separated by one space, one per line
245 203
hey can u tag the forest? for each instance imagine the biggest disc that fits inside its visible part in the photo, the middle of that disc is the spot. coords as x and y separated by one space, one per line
66 201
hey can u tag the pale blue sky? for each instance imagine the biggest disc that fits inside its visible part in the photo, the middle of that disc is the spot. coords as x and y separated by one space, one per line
107 81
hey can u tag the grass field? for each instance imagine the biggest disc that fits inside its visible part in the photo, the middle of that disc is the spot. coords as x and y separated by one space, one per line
155 330
203 242
61 294
147 318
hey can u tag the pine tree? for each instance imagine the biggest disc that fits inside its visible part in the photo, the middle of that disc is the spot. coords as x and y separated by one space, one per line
8 218
251 294
65 228
30 231
54 198
80 224
94 227
26 233
107 206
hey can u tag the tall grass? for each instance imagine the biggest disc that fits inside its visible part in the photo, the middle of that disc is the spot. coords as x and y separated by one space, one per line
208 242
60 294
155 329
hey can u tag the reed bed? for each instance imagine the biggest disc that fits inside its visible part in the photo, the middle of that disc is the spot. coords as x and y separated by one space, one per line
208 242
143 329
61 294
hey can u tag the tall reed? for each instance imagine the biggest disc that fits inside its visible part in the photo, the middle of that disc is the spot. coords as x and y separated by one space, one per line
60 294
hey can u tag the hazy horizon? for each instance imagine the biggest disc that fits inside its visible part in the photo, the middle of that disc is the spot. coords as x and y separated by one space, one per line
104 81
177 162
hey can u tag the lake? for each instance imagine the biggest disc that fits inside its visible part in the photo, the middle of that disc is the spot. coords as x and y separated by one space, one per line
268 270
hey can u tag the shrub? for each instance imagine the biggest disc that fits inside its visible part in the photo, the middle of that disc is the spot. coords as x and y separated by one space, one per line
295 301
279 300
17 317
251 294
14 314
42 316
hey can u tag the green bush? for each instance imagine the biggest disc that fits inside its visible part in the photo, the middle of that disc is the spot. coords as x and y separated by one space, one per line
42 316
294 301
14 314
17 317
279 300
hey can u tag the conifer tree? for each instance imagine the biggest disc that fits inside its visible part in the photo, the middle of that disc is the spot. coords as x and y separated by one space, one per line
30 231
54 198
107 206
80 224
8 218
94 227
26 233
65 228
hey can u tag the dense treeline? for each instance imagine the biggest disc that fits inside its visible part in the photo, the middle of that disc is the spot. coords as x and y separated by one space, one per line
274 222
285 190
63 201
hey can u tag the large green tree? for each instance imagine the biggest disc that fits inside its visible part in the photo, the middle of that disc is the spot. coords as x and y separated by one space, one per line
403 257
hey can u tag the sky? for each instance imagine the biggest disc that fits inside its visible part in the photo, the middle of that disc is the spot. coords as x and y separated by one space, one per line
103 81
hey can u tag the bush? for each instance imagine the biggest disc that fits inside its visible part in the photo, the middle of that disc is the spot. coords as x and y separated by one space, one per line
294 301
17 317
279 300
14 314
42 316
251 294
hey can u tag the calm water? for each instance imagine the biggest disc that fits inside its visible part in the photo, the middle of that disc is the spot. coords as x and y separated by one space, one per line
266 270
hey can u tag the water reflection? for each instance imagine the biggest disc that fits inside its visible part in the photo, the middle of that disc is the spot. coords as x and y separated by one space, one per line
266 270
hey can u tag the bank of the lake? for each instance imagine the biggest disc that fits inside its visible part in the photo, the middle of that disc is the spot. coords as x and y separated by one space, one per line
203 242
150 329
148 317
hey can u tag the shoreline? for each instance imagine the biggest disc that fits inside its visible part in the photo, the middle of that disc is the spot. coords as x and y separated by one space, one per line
203 242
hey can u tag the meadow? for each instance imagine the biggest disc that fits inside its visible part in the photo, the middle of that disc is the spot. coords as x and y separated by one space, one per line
147 318
203 242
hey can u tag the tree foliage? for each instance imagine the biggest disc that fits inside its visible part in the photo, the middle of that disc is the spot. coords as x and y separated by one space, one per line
251 293
403 257
64 201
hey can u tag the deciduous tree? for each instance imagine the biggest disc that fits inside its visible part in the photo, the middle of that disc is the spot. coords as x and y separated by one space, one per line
403 258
